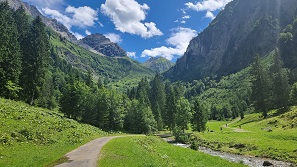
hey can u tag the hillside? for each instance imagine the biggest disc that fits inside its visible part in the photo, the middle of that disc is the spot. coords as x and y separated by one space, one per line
274 137
31 136
112 70
239 32
158 64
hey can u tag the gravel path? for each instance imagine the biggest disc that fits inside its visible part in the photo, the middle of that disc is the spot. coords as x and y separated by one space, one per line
86 155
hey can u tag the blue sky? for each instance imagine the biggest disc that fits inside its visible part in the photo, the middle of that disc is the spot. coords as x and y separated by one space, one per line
143 28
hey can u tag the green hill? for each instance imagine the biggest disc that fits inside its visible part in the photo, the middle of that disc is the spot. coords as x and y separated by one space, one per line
158 64
31 136
274 137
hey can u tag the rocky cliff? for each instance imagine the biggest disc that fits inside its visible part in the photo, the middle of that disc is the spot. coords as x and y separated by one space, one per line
239 32
103 45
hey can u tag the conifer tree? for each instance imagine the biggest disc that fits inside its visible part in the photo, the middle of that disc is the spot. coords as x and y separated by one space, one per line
170 108
10 56
260 87
200 117
280 82
35 62
157 98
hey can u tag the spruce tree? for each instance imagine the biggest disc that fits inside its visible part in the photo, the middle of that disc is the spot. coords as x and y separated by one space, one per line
260 87
10 59
170 108
157 98
200 117
280 82
35 63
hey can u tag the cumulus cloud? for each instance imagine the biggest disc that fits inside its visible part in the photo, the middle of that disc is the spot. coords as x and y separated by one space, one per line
186 17
209 15
131 54
208 5
77 35
115 38
80 17
178 43
88 32
128 16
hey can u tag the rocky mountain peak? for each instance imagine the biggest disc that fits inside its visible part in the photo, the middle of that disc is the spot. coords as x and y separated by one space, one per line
101 44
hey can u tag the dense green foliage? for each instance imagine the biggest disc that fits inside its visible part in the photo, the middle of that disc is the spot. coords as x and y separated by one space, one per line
152 151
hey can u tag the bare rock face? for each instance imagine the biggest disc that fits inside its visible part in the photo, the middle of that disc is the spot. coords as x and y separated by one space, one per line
231 41
103 45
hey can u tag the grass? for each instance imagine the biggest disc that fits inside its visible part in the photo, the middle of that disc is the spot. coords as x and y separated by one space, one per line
31 136
274 137
154 151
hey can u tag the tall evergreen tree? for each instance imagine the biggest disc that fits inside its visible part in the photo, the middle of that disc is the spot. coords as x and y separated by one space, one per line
158 98
260 87
170 107
10 56
36 62
200 117
280 82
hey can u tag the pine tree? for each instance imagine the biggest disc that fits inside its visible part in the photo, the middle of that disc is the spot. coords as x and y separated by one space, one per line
10 59
170 108
260 87
35 64
157 98
200 117
280 82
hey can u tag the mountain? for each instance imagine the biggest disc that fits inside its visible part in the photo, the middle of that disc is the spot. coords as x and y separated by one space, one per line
158 64
119 72
101 44
51 23
239 32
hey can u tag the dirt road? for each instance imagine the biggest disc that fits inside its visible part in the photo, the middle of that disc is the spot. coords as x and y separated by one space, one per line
86 155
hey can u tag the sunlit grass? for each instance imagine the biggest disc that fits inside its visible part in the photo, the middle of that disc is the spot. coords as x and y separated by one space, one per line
153 151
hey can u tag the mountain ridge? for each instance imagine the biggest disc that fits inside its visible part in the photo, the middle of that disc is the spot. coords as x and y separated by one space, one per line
231 40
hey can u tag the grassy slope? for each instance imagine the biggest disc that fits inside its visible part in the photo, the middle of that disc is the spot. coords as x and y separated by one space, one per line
122 72
31 136
275 137
153 151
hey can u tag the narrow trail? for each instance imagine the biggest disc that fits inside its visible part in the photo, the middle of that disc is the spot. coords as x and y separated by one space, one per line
235 129
86 155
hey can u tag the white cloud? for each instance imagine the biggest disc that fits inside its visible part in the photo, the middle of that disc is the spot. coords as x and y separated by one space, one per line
53 4
77 35
131 54
80 17
115 38
178 43
186 17
128 16
209 15
183 22
88 32
208 5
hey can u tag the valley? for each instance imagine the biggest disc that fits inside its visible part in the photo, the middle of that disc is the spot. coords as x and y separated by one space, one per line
72 97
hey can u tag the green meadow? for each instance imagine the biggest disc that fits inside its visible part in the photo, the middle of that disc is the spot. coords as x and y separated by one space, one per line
154 151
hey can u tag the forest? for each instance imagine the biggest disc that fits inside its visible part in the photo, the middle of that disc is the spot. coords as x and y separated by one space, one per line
31 71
